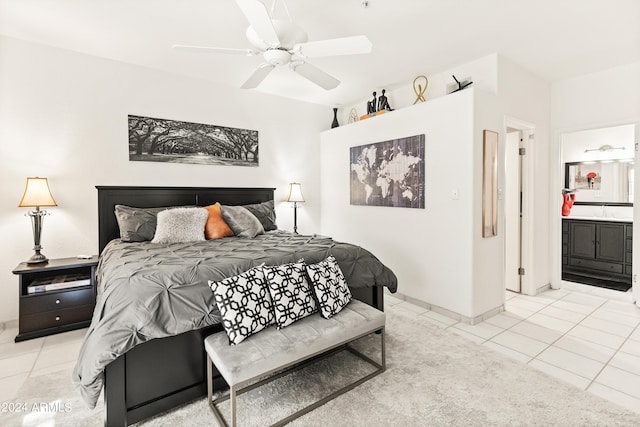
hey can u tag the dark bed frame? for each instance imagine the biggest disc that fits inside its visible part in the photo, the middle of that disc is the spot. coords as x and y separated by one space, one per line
164 373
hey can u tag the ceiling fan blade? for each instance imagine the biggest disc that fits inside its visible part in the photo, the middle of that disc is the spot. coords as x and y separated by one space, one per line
315 75
259 19
258 76
248 52
333 47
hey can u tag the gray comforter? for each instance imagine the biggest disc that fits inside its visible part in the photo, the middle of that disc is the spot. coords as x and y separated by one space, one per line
148 291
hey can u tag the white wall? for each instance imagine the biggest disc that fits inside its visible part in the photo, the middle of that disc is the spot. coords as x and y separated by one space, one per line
63 115
602 99
483 72
437 253
525 98
488 253
574 144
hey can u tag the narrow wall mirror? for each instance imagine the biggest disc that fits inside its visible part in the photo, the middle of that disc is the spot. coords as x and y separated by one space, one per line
490 184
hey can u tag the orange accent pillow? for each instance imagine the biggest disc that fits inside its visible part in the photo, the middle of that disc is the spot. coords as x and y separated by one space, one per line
216 227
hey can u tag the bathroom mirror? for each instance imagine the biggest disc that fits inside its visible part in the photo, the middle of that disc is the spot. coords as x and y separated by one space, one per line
599 164
601 182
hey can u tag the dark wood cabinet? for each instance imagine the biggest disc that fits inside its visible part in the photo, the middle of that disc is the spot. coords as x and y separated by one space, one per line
597 252
56 296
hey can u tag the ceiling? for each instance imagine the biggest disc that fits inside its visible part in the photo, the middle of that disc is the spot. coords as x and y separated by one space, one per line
554 39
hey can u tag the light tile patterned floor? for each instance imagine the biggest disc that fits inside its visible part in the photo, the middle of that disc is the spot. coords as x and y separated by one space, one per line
590 341
31 358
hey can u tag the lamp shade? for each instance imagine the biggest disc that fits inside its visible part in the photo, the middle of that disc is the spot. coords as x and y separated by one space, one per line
37 193
295 193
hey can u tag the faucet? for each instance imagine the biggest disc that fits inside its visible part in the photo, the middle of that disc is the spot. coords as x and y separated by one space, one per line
603 212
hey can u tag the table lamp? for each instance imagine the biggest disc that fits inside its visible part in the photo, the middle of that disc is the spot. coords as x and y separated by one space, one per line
37 194
295 196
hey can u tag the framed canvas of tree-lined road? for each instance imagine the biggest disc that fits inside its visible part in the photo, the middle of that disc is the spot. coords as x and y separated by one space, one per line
161 140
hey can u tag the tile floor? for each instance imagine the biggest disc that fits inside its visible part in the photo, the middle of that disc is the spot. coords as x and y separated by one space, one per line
590 341
35 357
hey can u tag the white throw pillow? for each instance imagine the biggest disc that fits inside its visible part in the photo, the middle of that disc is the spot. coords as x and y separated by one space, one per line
181 225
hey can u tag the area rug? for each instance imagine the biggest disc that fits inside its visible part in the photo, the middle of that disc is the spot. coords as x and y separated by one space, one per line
433 378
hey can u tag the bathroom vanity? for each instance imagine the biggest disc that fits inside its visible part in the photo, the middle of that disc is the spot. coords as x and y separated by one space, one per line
597 252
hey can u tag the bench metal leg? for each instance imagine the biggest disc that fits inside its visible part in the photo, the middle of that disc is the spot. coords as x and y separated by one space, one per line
236 390
233 402
212 404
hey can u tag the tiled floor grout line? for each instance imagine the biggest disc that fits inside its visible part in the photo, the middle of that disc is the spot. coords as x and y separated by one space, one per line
563 335
549 345
567 332
519 322
532 358
36 360
596 308
611 358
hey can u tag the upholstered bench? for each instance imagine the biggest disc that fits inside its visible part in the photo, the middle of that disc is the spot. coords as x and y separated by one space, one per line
273 350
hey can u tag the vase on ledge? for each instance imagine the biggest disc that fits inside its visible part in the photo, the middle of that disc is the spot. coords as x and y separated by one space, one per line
335 123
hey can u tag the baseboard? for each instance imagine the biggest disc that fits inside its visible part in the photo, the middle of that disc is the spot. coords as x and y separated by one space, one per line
8 324
543 288
449 313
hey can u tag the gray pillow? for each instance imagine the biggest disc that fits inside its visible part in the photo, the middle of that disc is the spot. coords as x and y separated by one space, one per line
241 221
265 213
181 225
136 224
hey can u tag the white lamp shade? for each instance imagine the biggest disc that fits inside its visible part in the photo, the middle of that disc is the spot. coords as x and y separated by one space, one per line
295 193
37 193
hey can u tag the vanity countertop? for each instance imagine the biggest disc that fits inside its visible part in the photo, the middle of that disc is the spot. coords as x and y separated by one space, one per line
599 218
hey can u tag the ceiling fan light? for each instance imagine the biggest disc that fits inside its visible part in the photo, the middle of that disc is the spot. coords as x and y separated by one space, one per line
277 57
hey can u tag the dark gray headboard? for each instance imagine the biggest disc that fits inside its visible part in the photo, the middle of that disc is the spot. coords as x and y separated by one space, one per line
148 197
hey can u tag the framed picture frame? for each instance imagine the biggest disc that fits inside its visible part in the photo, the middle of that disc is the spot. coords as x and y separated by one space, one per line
389 173
172 141
490 184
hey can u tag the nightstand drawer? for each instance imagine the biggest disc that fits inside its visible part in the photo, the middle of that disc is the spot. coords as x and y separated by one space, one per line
52 319
34 304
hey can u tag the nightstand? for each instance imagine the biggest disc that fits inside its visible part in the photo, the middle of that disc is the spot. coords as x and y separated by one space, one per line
56 296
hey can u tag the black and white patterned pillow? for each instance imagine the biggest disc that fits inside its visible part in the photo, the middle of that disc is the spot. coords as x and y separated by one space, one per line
329 286
244 303
290 292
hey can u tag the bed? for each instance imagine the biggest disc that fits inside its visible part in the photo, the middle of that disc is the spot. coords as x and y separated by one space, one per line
141 350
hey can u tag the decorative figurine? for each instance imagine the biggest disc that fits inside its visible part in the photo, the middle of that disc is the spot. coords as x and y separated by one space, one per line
372 105
383 102
353 115
419 91
377 105
462 85
335 123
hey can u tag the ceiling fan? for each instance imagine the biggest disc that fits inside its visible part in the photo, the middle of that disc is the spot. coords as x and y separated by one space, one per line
282 42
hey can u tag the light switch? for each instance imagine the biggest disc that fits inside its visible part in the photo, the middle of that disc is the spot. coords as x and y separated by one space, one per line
454 194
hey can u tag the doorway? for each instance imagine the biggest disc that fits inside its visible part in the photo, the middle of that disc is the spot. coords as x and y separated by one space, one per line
513 210
517 189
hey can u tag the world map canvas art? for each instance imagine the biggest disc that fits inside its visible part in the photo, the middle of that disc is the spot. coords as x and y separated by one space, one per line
389 173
